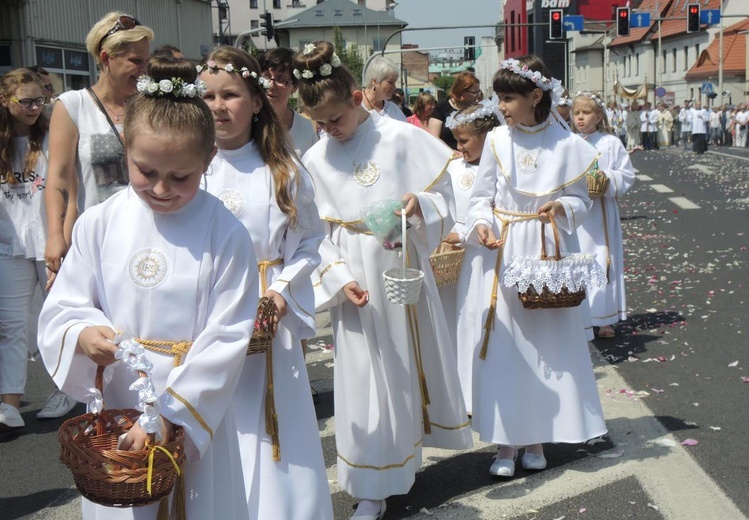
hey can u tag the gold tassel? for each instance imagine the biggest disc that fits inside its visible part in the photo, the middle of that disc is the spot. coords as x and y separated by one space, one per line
163 513
489 325
180 508
606 234
271 417
427 422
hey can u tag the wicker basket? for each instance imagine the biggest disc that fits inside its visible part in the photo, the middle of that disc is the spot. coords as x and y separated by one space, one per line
446 262
109 476
403 285
598 183
545 299
265 327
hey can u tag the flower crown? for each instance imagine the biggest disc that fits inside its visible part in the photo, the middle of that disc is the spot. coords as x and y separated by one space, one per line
598 101
486 108
564 101
326 69
213 67
176 87
541 81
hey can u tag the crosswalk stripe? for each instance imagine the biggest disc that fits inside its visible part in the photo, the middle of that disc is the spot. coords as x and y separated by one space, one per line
683 203
644 178
661 188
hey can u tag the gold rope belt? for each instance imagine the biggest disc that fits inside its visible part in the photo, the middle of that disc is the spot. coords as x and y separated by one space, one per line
606 235
170 348
271 416
506 218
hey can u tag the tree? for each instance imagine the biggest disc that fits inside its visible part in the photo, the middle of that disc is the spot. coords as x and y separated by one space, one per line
350 56
444 83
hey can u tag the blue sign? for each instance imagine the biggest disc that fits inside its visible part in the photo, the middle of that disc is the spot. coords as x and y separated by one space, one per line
710 16
573 22
707 88
639 20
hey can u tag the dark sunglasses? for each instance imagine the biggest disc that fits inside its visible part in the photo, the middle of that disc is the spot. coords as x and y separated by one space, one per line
124 23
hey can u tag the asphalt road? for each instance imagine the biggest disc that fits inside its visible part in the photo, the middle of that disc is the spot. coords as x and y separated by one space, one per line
674 373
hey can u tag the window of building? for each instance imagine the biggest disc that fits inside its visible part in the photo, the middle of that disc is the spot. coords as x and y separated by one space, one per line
378 44
254 24
276 4
71 66
673 60
512 31
338 12
686 57
663 62
319 12
356 12
697 52
253 4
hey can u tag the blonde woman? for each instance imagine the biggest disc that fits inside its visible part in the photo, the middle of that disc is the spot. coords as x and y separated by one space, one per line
423 109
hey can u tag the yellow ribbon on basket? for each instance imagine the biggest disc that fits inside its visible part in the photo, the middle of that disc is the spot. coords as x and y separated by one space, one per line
502 217
151 453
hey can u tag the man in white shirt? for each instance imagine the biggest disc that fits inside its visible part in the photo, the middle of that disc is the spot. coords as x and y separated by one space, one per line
741 121
700 120
685 116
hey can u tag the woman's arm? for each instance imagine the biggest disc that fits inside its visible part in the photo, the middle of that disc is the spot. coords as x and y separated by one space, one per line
61 186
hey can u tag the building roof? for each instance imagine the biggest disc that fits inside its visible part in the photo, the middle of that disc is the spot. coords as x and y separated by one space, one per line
641 33
340 13
678 9
734 54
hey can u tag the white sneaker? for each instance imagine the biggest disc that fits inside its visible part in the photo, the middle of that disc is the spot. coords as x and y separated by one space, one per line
370 510
10 418
58 405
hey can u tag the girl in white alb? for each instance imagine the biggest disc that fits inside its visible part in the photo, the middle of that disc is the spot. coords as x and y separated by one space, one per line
469 127
396 387
164 262
601 233
254 174
533 379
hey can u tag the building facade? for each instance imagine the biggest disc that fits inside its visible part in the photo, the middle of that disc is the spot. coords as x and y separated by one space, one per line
52 33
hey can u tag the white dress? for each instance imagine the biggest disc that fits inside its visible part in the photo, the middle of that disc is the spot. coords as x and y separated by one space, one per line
460 316
296 487
382 419
181 277
536 383
302 134
601 233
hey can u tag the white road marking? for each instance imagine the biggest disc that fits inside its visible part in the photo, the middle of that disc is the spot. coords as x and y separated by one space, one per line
729 155
643 177
683 203
701 167
661 188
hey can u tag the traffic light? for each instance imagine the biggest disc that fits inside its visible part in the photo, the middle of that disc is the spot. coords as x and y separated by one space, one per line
267 23
693 18
469 52
622 21
556 29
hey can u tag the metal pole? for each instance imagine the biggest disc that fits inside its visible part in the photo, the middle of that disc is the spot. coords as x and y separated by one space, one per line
659 58
720 55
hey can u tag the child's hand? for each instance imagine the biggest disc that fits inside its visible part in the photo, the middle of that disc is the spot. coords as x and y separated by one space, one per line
486 237
280 304
550 210
356 294
411 206
452 238
96 343
136 437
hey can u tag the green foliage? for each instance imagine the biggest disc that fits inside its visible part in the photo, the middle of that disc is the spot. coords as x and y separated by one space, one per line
444 82
349 55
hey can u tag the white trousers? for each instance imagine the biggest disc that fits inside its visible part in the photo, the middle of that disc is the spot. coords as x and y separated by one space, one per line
18 280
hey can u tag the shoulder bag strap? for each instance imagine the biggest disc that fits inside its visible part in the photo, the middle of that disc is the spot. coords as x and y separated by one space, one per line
104 111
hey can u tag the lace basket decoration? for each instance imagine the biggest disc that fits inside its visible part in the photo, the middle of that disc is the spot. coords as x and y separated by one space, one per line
553 282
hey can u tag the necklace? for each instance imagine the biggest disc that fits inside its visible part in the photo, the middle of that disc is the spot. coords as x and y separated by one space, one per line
369 102
525 161
366 173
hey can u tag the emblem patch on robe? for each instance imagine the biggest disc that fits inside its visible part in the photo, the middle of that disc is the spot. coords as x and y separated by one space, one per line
232 200
367 175
466 180
148 268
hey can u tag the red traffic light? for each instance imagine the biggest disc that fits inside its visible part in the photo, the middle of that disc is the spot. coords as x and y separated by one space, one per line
556 16
693 9
623 13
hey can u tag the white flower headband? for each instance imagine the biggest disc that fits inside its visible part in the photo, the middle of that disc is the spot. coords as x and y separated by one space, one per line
176 87
213 67
541 81
486 108
326 69
564 101
598 101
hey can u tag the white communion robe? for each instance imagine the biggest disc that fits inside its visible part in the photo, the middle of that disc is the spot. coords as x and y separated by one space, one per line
296 487
381 348
180 276
458 300
601 233
536 383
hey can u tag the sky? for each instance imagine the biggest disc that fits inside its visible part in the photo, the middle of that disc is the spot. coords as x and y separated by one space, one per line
446 13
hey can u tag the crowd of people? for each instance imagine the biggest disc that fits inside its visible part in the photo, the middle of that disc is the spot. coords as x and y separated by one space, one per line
139 205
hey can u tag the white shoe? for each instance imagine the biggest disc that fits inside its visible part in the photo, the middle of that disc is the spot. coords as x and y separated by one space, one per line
533 461
503 467
58 404
10 418
367 510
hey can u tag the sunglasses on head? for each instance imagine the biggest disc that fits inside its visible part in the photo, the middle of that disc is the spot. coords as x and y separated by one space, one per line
124 23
